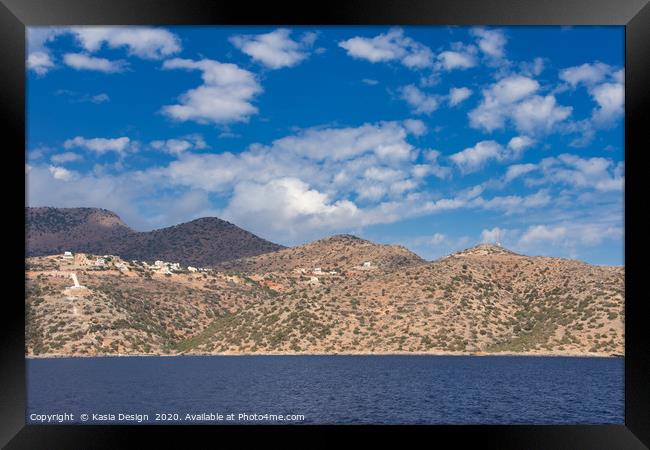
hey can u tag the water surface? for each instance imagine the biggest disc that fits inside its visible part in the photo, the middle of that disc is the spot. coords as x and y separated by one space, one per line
331 389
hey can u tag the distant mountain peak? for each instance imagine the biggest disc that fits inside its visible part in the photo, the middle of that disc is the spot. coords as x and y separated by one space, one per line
202 242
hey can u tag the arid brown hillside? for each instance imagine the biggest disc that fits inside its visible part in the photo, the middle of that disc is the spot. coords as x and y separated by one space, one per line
201 242
336 253
485 300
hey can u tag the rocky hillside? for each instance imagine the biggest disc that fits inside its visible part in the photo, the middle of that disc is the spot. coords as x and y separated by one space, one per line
484 300
201 242
336 253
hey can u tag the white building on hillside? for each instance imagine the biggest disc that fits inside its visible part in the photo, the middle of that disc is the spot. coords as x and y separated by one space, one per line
367 264
67 255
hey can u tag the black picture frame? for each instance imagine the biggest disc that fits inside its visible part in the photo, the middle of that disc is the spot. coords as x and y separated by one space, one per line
15 15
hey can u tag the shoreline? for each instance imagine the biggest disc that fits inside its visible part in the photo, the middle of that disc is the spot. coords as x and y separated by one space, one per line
478 355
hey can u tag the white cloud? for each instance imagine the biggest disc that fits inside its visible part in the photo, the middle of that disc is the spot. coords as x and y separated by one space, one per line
225 95
610 98
474 158
81 61
513 204
605 85
496 235
390 46
539 114
415 127
101 145
512 99
65 157
289 207
178 146
570 234
601 174
61 173
520 143
419 101
532 68
587 74
275 49
517 170
39 58
450 60
458 95
370 81
40 62
144 42
491 42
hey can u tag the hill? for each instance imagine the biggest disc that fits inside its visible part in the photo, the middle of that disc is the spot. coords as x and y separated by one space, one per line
484 300
336 253
201 242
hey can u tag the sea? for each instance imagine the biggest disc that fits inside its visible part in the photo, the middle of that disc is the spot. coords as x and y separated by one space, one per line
399 389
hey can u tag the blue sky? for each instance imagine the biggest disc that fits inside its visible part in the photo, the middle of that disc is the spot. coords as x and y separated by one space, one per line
435 138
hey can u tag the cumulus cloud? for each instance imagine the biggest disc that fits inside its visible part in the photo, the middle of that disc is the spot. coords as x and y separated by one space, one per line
276 49
495 235
570 234
287 206
601 174
421 102
143 42
450 60
517 170
512 99
520 143
490 41
40 62
224 97
180 145
588 74
65 157
61 173
610 98
345 160
101 145
474 158
458 95
605 85
82 61
390 46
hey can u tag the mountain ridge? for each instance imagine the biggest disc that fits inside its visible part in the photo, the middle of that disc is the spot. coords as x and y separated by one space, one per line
203 242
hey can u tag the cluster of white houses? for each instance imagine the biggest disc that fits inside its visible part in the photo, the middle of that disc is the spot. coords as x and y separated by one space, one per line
161 266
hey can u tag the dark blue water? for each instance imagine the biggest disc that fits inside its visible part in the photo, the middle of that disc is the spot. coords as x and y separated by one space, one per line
330 389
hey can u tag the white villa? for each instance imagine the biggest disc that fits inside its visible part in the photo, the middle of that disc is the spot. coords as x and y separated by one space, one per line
367 264
67 255
318 271
100 262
